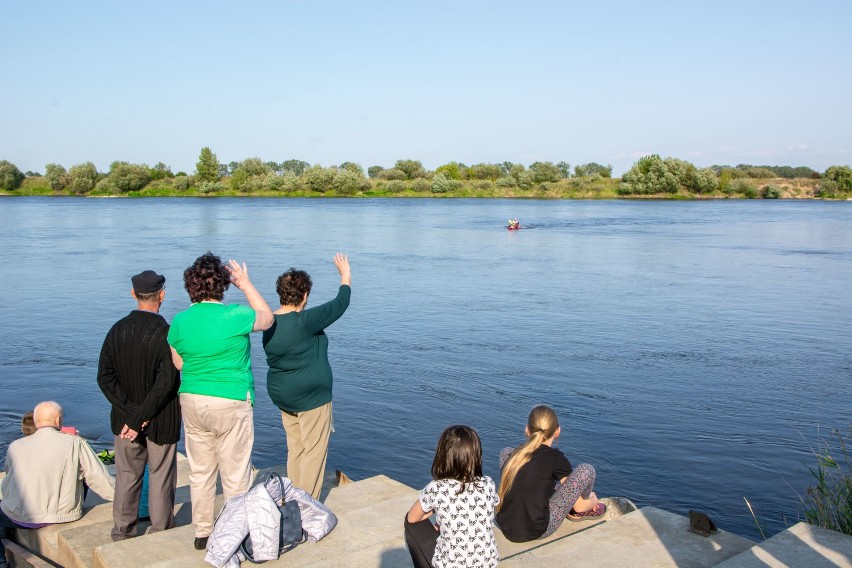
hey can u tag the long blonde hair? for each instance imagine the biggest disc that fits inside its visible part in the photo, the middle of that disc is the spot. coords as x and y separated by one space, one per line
542 425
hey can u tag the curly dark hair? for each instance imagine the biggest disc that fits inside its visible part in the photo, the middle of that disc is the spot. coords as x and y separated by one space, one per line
206 279
292 286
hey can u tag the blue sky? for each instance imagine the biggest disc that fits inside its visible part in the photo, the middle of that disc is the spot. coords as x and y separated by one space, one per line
761 82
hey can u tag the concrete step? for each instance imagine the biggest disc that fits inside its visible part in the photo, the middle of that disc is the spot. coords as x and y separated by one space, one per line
369 513
800 545
45 541
23 558
71 544
615 507
644 538
77 545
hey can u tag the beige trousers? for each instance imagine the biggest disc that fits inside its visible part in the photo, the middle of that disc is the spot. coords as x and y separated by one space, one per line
219 434
307 447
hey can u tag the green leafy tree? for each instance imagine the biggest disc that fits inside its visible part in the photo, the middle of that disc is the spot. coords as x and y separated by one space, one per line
593 169
184 182
443 184
374 171
413 169
319 179
240 179
484 171
421 185
545 172
522 176
160 171
128 177
452 170
703 180
208 187
565 169
506 167
348 182
243 177
285 183
841 175
649 176
11 177
771 192
207 168
254 167
298 167
352 167
392 174
57 176
84 177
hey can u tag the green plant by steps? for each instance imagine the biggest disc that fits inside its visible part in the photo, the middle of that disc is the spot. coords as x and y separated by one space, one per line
828 503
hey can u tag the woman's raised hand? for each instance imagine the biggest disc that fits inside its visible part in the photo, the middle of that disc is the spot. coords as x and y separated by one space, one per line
239 274
341 261
239 277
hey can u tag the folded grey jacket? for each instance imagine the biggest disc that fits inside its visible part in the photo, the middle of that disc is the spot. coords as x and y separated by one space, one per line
256 514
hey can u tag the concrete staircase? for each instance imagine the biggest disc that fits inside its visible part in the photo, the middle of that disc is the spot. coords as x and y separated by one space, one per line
369 534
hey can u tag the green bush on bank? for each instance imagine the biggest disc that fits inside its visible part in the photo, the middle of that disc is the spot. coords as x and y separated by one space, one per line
828 503
11 177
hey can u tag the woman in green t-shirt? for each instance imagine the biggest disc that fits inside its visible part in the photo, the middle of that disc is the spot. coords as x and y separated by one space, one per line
299 380
210 346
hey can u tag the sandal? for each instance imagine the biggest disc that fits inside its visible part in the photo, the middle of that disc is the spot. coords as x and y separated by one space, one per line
592 514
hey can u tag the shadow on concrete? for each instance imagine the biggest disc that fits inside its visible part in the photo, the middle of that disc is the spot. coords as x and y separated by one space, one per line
395 558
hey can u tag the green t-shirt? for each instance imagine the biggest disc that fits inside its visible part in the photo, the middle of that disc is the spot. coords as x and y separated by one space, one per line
213 340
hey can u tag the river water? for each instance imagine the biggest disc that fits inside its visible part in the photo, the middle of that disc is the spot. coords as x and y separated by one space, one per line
694 351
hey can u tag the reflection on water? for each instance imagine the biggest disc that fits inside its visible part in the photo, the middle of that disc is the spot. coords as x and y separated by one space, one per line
692 350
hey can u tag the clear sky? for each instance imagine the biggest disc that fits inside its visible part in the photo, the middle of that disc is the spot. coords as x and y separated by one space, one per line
712 82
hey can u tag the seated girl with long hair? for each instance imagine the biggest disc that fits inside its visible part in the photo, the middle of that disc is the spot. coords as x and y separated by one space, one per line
538 486
462 500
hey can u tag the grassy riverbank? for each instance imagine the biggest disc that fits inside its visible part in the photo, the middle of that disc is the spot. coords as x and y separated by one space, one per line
587 187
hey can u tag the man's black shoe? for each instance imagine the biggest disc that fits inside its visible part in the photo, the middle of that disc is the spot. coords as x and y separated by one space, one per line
201 543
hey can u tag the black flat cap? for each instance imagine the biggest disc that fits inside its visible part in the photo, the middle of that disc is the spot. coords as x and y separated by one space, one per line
148 282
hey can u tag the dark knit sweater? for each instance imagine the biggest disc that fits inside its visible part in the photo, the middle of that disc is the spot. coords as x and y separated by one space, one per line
137 375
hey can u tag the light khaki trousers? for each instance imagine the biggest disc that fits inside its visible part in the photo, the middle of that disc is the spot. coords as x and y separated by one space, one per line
219 434
307 447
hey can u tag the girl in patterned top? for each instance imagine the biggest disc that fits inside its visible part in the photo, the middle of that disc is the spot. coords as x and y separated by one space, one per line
462 500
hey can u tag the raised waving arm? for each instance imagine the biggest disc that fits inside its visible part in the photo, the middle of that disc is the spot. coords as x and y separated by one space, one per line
240 278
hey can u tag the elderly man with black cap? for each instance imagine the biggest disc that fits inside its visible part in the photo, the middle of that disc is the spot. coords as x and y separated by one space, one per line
138 377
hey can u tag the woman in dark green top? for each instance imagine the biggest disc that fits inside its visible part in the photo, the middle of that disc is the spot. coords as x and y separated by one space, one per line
299 380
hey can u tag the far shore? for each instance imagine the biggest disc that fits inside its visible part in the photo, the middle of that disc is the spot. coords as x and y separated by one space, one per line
584 188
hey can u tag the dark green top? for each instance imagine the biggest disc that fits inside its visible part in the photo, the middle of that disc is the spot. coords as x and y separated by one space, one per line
299 376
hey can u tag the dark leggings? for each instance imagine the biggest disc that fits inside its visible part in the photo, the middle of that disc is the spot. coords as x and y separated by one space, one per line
579 484
420 538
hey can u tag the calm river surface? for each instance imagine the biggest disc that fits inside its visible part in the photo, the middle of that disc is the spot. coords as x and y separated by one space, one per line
693 350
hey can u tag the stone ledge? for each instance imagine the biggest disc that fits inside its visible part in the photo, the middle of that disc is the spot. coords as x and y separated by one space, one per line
647 537
23 558
800 545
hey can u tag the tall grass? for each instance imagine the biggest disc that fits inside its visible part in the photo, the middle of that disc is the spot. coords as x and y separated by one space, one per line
828 503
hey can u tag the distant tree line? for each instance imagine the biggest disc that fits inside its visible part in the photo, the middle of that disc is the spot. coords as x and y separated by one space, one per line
651 175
